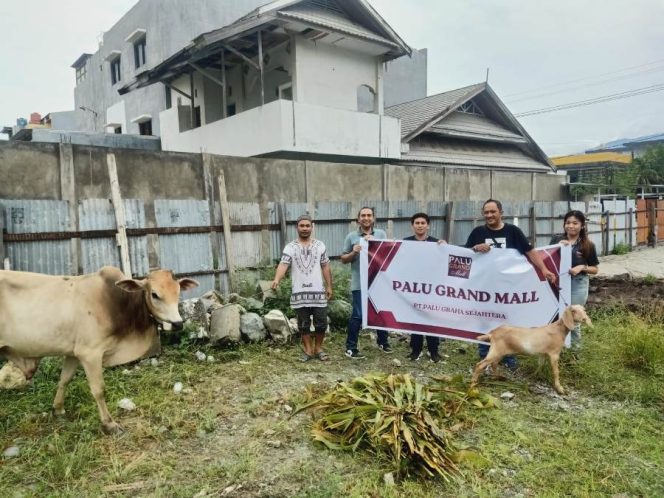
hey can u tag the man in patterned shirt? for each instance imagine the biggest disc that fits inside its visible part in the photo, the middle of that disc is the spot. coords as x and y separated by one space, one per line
312 286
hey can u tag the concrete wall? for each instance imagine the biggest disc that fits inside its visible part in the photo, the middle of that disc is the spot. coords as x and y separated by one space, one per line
330 76
40 171
405 78
287 126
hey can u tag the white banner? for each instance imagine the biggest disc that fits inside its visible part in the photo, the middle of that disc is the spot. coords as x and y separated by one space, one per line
450 291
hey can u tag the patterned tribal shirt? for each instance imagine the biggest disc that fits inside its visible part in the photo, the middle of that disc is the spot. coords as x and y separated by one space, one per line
305 262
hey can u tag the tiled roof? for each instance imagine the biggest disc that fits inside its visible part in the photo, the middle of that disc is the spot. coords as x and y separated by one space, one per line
320 16
417 112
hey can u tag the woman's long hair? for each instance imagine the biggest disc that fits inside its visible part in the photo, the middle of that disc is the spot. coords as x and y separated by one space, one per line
585 243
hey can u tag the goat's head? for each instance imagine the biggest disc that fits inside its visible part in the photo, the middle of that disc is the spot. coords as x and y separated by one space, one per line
575 314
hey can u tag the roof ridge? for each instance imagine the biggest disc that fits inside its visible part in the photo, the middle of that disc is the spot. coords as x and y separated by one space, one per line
436 95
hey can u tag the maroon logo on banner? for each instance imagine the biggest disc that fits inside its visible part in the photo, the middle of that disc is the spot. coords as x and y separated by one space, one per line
459 266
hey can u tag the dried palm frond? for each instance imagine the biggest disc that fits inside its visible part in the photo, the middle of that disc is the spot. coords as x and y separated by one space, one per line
394 414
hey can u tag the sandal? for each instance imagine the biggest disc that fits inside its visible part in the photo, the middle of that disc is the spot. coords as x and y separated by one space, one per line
323 356
305 357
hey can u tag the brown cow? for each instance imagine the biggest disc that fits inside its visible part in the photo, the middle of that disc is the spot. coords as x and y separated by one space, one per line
98 320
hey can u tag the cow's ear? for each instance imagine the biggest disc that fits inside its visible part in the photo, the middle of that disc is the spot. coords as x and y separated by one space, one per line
130 285
187 284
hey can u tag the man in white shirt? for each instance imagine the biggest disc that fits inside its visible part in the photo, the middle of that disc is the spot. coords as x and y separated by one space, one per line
312 286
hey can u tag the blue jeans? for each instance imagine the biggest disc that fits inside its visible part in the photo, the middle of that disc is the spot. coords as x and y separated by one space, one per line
508 361
579 293
355 324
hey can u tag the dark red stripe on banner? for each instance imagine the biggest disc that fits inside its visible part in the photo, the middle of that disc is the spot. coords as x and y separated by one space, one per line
386 319
381 254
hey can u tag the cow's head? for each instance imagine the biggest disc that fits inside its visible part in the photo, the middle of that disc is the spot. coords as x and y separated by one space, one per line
162 294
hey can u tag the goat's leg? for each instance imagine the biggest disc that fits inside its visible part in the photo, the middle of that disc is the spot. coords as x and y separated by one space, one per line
95 374
481 365
553 358
68 370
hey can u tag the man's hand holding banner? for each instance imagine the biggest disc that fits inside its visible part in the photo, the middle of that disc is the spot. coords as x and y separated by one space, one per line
453 292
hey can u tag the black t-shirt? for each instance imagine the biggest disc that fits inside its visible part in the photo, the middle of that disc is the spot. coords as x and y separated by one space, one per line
577 255
508 237
428 239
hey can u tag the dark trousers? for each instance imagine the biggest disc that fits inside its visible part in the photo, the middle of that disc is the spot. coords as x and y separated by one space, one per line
355 324
508 361
417 341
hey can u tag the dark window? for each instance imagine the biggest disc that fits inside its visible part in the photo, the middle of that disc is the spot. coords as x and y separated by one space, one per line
117 130
169 103
230 110
197 116
139 52
115 71
145 128
81 72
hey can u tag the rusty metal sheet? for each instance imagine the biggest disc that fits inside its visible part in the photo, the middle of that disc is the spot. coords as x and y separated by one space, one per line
52 257
185 253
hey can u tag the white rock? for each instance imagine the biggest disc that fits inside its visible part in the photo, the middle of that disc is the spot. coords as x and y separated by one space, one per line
389 479
396 362
200 356
154 362
277 326
507 395
127 404
177 387
126 372
11 377
288 408
210 359
11 452
242 362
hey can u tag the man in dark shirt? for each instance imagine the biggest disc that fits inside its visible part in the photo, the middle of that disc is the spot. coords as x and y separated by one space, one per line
500 235
419 222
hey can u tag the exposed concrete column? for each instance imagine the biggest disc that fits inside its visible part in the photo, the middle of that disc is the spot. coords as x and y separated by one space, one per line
208 188
68 193
492 175
224 91
386 182
380 95
308 189
533 186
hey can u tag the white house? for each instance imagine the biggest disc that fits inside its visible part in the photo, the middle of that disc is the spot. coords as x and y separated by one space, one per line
291 78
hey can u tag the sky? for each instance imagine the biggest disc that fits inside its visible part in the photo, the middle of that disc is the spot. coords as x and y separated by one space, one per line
540 54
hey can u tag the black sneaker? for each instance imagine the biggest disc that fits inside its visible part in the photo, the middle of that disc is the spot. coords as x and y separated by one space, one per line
385 348
435 358
354 354
414 356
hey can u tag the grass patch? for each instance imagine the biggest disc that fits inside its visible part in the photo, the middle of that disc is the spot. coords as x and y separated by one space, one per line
233 431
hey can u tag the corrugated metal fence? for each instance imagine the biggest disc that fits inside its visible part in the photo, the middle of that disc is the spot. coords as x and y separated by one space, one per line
182 238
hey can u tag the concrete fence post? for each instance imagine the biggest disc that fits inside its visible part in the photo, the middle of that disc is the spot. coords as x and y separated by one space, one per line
533 226
68 193
226 222
450 209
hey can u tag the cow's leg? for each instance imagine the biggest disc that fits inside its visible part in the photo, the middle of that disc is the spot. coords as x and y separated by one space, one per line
553 358
95 374
68 370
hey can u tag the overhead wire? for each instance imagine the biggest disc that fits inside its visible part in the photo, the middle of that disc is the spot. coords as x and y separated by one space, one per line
605 98
563 83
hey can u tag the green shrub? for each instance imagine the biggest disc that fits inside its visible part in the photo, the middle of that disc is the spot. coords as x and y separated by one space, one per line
643 348
620 248
650 279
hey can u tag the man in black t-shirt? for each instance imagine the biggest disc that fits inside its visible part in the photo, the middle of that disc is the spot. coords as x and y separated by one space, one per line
500 235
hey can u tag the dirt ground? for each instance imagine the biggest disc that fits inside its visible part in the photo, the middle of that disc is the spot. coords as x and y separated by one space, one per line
633 279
